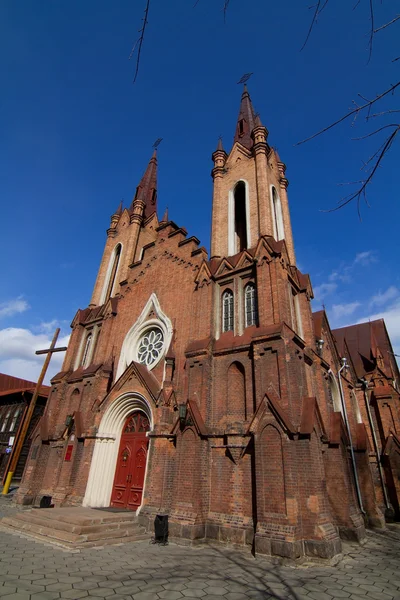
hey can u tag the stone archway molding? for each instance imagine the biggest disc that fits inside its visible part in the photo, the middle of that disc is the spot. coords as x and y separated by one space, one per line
102 469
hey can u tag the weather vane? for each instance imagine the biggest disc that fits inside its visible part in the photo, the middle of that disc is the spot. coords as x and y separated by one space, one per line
157 143
245 78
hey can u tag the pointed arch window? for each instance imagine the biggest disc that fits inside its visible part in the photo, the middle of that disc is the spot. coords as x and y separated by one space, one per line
240 216
86 351
227 311
277 215
250 305
113 272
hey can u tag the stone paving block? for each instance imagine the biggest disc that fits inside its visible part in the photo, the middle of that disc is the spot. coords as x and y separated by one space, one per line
216 591
7 589
320 596
193 593
85 585
169 595
58 587
234 596
200 584
45 596
380 596
101 592
144 596
177 587
74 594
17 596
129 589
112 585
337 592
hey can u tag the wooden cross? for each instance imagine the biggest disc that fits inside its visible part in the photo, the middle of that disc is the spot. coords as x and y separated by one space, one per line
16 451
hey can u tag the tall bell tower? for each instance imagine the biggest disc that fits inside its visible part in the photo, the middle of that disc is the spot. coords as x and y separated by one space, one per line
250 189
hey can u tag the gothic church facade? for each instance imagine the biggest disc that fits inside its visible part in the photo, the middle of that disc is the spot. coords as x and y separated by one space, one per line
198 387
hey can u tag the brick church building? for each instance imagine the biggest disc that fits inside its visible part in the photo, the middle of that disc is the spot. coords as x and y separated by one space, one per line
206 389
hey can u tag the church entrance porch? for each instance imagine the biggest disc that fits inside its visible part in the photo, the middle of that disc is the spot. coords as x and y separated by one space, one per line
118 467
128 484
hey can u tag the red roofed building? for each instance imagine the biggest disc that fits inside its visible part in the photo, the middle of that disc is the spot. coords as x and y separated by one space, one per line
15 396
200 387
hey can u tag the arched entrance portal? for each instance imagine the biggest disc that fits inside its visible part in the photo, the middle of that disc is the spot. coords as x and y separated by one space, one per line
103 467
128 484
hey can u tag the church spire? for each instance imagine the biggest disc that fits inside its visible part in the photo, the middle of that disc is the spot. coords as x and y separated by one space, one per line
246 121
147 188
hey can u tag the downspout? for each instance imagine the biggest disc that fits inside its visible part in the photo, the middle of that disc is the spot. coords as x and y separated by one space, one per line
353 458
376 448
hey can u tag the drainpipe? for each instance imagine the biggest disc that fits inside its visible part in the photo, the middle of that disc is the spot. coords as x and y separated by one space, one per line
376 448
353 458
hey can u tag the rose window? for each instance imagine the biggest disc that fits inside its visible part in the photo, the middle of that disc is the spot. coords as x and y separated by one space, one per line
150 346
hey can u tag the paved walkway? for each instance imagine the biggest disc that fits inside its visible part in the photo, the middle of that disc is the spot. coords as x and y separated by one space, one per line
31 570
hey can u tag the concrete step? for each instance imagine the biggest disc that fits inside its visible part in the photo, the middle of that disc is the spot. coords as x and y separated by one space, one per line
77 527
42 518
83 516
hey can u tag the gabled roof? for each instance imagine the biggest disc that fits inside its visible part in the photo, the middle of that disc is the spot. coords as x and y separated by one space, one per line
365 341
13 385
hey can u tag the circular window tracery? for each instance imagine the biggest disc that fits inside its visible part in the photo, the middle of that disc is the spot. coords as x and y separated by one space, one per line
150 346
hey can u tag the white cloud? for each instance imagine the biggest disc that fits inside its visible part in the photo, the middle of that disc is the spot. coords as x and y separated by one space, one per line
17 353
13 307
344 310
323 290
382 298
365 258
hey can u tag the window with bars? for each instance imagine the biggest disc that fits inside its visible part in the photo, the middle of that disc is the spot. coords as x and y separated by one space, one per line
250 305
15 419
227 311
6 418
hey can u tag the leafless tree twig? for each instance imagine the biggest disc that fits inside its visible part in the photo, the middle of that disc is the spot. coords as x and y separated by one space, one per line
387 24
139 41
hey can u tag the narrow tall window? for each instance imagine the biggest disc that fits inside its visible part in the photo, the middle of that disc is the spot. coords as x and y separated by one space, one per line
15 419
86 351
4 425
250 305
227 311
240 216
277 215
113 273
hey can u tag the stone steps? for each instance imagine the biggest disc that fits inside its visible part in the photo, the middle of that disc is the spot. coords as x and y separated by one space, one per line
77 527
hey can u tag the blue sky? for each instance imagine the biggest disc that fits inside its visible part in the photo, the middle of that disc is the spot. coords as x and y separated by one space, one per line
77 135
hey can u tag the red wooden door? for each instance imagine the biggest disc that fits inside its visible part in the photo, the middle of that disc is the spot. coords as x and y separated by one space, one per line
131 463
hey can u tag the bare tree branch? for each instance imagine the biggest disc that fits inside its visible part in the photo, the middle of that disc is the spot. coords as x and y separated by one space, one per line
371 34
364 137
361 192
357 110
318 10
139 41
387 24
226 4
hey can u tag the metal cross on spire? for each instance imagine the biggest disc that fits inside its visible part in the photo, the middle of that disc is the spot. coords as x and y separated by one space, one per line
245 78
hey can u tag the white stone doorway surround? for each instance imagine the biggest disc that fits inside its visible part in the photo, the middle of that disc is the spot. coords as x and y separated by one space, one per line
105 453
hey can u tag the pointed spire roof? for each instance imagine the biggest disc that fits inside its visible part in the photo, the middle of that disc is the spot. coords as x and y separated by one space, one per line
220 145
119 209
165 217
147 188
246 121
